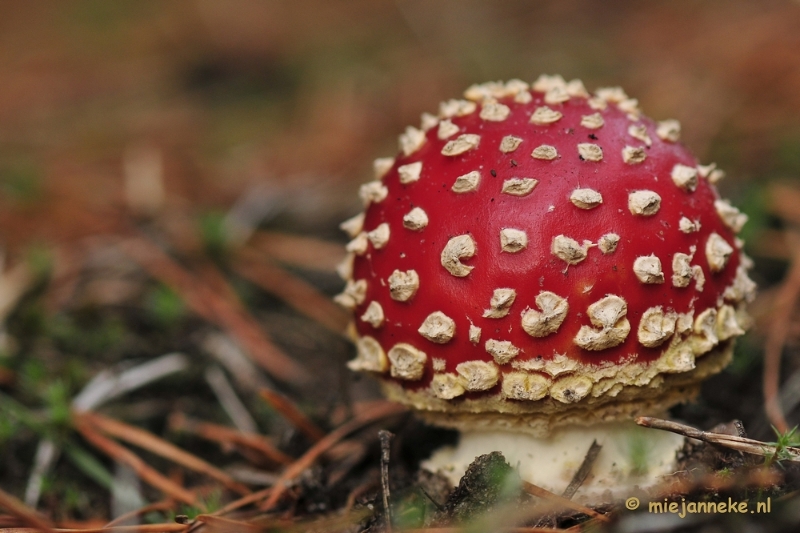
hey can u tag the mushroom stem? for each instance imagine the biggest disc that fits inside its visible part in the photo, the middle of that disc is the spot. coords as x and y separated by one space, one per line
630 456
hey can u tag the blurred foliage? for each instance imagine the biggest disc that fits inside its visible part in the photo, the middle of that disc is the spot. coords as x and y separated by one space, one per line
92 335
165 306
212 231
249 91
21 181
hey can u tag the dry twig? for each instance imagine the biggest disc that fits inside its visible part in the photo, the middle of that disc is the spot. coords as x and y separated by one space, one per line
742 444
386 441
584 470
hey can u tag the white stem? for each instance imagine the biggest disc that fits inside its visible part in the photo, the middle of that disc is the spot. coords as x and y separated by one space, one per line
630 456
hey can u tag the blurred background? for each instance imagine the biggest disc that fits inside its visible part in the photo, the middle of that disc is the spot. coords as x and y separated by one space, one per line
207 124
301 95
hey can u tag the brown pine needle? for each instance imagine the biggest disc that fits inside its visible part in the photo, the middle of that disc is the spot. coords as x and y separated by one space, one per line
123 455
292 413
583 471
68 263
7 376
302 251
143 528
225 435
301 296
163 505
759 478
777 331
214 308
236 504
373 414
331 523
157 445
246 500
503 530
27 515
545 494
784 200
226 525
240 323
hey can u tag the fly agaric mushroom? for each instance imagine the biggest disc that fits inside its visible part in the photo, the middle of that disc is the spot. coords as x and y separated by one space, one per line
537 267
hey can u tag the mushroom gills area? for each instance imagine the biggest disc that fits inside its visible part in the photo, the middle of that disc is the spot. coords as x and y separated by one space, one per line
630 457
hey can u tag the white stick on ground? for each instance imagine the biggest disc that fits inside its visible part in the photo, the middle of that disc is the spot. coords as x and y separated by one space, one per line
108 385
245 374
46 455
229 400
126 493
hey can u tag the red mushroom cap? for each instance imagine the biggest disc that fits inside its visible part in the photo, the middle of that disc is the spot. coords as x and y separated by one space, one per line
547 256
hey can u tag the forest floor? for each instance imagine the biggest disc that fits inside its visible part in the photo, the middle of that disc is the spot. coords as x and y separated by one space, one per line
172 177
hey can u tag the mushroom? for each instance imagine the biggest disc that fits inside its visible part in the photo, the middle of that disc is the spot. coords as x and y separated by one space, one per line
558 265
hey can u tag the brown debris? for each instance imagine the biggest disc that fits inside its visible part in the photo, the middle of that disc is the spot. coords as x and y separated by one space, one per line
483 486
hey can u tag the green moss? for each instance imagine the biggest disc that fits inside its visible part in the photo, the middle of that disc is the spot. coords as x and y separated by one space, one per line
787 158
165 306
21 181
638 452
91 336
789 438
212 231
753 203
